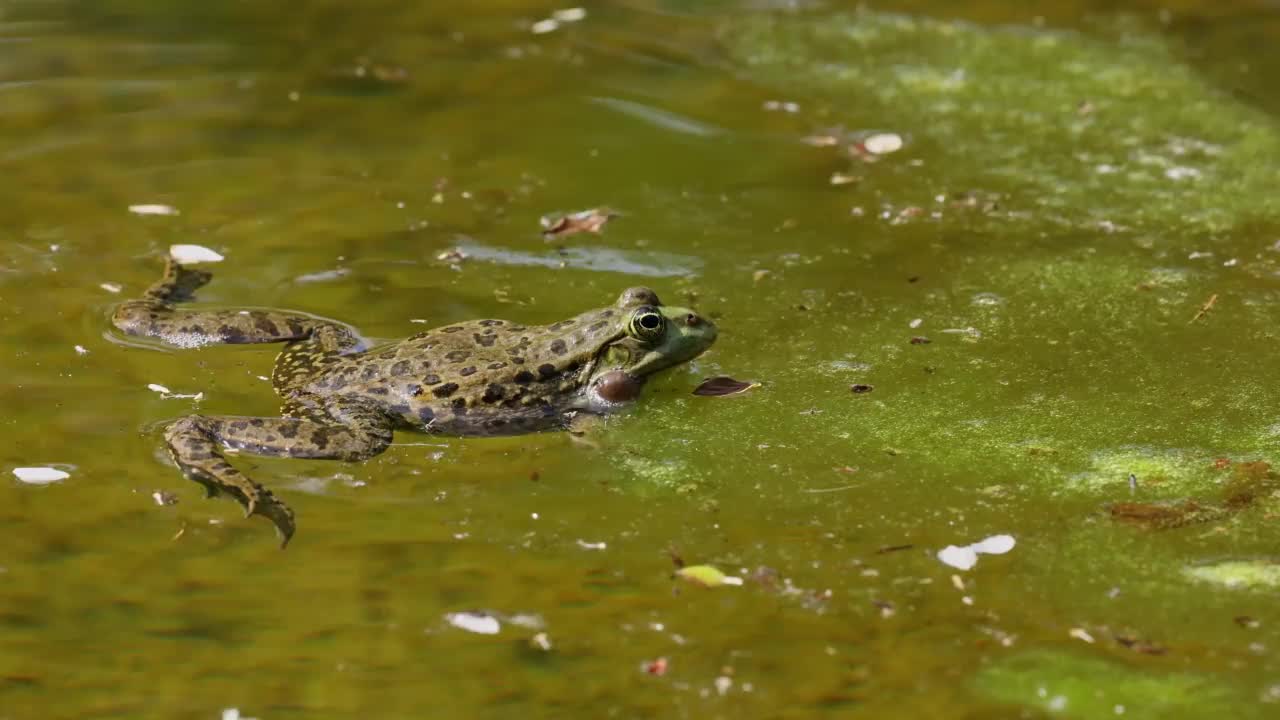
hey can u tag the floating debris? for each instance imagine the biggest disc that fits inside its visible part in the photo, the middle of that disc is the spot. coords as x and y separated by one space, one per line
1205 308
164 498
40 475
584 221
839 178
883 143
655 667
168 394
148 209
706 576
861 388
111 287
82 350
722 385
585 545
191 254
964 558
480 623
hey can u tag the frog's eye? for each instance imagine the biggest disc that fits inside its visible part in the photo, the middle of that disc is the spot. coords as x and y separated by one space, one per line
647 324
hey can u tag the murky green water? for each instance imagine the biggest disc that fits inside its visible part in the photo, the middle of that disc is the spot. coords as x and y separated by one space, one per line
1072 190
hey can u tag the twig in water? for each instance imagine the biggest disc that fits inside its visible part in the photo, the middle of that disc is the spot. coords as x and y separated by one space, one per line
1204 309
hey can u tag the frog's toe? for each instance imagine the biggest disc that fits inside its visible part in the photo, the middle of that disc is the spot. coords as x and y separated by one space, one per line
281 516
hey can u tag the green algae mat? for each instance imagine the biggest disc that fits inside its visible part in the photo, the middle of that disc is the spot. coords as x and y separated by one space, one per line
1000 287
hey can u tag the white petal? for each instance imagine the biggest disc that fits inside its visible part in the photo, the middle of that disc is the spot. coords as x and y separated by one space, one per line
40 475
995 545
961 558
474 622
153 210
193 254
883 143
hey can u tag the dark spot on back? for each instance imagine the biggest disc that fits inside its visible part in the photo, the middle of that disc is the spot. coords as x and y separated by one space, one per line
459 406
597 327
264 324
484 340
401 368
386 354
426 415
492 394
398 410
445 390
413 390
559 347
432 379
452 329
490 323
606 313
524 377
497 365
456 356
369 373
546 371
470 370
379 390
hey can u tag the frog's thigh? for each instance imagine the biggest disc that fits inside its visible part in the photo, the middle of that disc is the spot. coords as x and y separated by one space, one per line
298 437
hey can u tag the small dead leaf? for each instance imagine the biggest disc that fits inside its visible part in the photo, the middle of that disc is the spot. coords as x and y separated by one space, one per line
920 340
656 667
452 255
861 388
1246 622
586 221
759 275
722 385
1139 645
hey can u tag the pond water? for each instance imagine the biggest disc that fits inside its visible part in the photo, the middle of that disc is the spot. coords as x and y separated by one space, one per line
1048 243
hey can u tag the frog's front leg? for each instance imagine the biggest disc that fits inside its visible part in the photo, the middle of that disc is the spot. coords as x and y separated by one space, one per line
343 433
155 315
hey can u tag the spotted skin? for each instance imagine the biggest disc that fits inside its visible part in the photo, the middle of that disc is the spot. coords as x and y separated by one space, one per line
343 401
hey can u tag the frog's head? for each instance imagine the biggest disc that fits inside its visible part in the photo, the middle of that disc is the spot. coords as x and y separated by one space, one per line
648 337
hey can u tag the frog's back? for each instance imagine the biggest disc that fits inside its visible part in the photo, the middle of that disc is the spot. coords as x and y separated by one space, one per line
474 378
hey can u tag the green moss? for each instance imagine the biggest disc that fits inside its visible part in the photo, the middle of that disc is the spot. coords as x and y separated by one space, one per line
1079 131
1077 687
1249 574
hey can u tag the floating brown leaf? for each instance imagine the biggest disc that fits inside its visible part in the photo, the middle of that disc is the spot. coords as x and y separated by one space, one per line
586 221
861 388
722 385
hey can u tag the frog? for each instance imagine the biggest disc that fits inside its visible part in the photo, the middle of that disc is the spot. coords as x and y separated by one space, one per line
343 398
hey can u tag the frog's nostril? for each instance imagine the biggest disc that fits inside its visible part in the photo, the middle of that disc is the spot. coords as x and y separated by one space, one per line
692 320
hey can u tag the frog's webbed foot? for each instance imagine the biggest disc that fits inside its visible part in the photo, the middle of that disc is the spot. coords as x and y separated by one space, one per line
345 433
193 448
179 283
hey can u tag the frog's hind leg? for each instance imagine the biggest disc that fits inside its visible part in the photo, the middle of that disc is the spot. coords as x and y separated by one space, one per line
341 433
155 315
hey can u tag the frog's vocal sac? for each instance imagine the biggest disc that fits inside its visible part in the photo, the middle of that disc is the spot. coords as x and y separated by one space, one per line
342 400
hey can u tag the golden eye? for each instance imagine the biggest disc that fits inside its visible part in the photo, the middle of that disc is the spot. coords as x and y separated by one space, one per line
647 324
